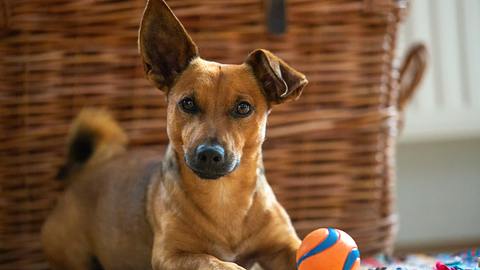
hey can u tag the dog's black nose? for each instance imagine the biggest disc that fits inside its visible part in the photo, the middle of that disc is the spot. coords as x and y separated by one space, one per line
210 156
210 160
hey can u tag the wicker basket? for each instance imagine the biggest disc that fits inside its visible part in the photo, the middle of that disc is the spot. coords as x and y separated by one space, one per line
329 156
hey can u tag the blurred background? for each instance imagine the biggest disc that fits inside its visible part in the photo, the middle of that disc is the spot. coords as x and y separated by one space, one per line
59 56
438 157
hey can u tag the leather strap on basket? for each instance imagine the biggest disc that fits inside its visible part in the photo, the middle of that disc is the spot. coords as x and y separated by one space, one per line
411 73
276 16
4 14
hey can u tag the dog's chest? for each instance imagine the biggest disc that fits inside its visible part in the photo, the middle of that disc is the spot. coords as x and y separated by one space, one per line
229 237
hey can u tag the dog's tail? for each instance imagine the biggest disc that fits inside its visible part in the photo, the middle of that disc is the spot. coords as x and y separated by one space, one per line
94 137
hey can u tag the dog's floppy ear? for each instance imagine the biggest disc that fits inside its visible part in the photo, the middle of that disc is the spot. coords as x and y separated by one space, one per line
279 81
165 46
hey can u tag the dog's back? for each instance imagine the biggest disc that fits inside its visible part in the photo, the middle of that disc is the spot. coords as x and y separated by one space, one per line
101 217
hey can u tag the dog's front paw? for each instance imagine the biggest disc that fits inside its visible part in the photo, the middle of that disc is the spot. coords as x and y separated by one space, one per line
228 266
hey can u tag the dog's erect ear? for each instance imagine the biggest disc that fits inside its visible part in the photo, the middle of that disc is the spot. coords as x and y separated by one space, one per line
279 81
165 46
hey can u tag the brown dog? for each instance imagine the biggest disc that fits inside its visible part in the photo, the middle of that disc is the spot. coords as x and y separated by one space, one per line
207 205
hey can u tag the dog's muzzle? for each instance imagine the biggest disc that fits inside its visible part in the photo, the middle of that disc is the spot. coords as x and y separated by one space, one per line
210 161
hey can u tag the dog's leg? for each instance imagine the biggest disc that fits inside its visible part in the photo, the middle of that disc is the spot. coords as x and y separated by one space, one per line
165 257
282 258
64 243
184 261
63 251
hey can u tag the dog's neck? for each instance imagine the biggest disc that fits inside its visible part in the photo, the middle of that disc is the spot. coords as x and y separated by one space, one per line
217 197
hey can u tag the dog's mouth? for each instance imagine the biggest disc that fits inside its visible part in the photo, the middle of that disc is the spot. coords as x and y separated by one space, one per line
208 175
212 173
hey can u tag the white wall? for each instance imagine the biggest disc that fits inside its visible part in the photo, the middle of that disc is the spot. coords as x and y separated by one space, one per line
448 102
438 192
438 158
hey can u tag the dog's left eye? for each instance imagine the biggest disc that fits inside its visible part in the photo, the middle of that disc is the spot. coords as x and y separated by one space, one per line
188 105
242 109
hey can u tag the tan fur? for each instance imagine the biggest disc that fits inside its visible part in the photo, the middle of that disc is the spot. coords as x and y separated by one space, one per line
131 210
111 139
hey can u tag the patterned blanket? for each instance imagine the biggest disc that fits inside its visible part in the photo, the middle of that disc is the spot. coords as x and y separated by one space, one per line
468 260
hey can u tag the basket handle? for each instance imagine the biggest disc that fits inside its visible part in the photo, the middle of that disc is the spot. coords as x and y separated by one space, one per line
411 73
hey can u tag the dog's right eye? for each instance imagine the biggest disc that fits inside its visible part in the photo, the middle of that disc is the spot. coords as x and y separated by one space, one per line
188 105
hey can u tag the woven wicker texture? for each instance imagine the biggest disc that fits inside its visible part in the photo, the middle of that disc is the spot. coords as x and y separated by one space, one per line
329 156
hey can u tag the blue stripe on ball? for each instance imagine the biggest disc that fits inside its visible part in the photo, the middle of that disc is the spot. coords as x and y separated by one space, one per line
331 239
351 258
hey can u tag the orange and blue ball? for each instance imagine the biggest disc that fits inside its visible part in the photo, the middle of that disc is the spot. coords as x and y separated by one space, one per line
328 249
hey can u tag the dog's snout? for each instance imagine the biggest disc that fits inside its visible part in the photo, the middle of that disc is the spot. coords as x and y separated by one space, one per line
210 155
210 160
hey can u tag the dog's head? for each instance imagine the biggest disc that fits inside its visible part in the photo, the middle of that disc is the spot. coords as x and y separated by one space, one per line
216 113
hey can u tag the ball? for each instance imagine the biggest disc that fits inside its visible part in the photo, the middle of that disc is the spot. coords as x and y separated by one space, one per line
328 249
